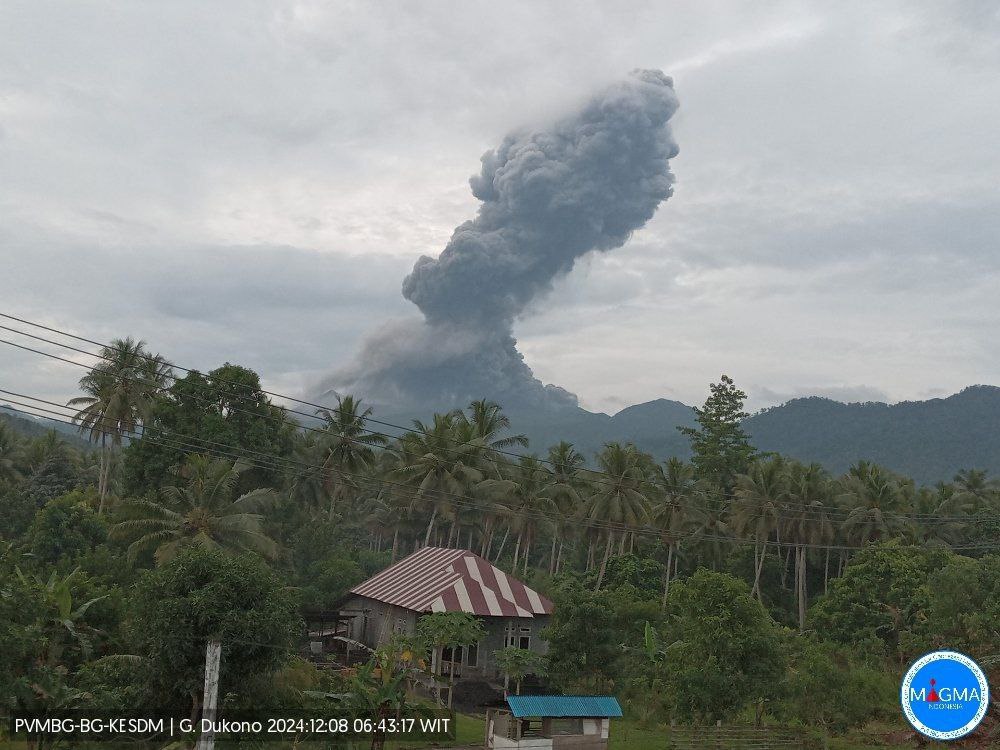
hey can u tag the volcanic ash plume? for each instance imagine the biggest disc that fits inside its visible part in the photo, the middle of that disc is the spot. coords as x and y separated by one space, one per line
549 196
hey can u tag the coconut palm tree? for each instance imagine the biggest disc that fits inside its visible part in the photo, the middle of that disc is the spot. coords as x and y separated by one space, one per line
759 496
346 448
488 424
566 464
305 480
807 521
47 450
201 512
622 497
10 455
671 511
708 525
439 462
875 503
120 393
528 495
973 492
952 523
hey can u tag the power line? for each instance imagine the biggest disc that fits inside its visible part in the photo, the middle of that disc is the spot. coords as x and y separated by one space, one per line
462 501
286 397
819 515
797 514
822 516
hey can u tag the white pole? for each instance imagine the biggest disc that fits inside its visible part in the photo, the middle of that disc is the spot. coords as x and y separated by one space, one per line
213 654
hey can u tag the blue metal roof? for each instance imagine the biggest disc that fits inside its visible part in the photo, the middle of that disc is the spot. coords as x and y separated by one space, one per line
564 705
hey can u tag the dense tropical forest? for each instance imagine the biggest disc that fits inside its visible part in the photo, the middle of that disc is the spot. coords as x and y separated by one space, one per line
737 587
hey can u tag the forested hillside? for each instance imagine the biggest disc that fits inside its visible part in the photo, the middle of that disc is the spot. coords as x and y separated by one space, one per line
206 512
33 427
927 440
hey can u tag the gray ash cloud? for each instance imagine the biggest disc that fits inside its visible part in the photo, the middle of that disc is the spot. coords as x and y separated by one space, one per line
549 196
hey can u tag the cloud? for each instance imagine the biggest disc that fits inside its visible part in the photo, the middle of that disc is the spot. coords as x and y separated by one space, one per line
251 180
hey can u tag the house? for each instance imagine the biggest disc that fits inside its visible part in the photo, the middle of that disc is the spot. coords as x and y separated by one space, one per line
438 579
540 722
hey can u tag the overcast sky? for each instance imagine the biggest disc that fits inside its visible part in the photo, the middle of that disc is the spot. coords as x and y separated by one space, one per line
251 181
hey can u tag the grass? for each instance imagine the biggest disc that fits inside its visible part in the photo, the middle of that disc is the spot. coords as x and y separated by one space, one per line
469 730
628 734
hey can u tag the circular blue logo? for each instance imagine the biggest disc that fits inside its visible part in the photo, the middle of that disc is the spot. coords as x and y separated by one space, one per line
944 695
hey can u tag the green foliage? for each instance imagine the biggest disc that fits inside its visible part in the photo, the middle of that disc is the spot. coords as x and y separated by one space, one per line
584 654
518 663
326 582
224 410
881 593
202 511
720 446
962 608
644 574
623 554
449 629
10 454
205 594
47 630
66 528
726 650
23 612
828 686
115 683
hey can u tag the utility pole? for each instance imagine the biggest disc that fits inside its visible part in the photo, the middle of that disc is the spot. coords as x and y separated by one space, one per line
213 654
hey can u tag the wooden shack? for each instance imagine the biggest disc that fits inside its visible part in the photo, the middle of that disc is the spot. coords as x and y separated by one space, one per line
539 722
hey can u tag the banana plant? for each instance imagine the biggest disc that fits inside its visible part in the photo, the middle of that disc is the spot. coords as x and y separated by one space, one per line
66 623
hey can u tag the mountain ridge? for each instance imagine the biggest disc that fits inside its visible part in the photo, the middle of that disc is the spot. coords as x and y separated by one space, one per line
929 441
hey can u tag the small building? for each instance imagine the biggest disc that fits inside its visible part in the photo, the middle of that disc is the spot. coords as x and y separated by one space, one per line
539 722
438 579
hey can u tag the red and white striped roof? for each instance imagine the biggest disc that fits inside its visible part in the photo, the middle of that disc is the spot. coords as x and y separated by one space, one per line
437 579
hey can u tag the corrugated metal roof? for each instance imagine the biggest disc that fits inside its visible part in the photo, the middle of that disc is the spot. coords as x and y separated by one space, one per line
436 579
564 705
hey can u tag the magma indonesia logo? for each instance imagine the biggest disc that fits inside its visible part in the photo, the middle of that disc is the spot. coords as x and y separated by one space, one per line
944 695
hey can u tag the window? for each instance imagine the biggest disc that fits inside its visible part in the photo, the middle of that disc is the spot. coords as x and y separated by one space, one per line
472 655
525 640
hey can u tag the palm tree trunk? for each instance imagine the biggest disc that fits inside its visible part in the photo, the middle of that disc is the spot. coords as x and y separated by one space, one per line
552 556
559 557
527 553
430 527
826 572
395 543
503 543
604 561
802 589
490 536
517 552
666 582
760 568
102 474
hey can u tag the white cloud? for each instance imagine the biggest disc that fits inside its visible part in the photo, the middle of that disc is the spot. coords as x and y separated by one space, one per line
251 180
